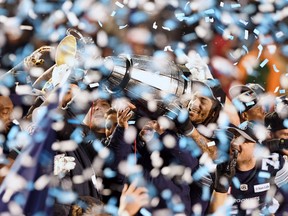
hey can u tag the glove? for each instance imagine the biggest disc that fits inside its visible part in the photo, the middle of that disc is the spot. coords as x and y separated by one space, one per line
224 174
180 117
275 145
63 164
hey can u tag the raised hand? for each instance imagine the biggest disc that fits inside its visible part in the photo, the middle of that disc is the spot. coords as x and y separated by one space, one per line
132 199
123 117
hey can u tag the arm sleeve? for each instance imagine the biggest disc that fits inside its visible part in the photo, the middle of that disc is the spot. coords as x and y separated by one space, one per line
281 177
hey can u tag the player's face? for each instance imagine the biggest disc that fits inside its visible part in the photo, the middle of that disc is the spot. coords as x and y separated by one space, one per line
256 113
99 108
6 108
282 134
199 108
245 148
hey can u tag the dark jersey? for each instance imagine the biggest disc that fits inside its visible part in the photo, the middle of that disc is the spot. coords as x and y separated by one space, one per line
253 190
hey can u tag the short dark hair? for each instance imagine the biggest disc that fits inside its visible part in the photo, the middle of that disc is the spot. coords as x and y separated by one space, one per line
273 122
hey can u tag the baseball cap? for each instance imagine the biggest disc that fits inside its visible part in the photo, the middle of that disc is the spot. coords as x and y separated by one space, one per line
244 97
245 129
273 122
210 88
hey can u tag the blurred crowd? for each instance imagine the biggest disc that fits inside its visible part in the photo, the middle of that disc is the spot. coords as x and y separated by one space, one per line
143 107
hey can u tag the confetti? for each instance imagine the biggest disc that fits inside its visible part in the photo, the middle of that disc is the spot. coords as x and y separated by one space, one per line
119 4
264 62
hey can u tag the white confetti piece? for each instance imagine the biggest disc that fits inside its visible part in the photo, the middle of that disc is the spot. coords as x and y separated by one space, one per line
119 4
260 48
221 4
276 89
23 89
72 18
166 28
67 145
275 68
100 24
42 182
113 13
122 27
155 25
168 48
169 141
279 34
243 22
26 27
246 34
130 134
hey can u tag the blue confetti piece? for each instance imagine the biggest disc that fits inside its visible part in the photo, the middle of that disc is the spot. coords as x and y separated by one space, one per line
39 136
64 197
7 80
185 78
180 16
230 37
109 173
13 132
263 63
77 135
200 172
203 46
236 182
138 17
245 48
131 159
238 104
145 212
112 201
43 7
209 11
166 194
192 19
40 213
179 207
285 123
74 121
282 91
183 115
20 199
205 193
179 52
111 209
235 5
171 24
97 145
45 159
263 174
256 31
30 185
189 37
3 12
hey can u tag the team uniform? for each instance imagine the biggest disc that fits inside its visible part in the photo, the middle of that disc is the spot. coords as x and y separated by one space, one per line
254 190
